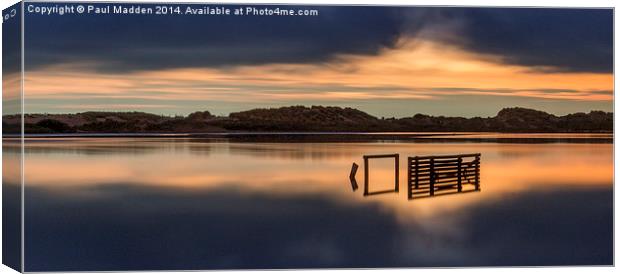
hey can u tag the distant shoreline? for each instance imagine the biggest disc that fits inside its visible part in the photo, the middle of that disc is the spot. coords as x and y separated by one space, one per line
304 120
237 134
345 137
293 133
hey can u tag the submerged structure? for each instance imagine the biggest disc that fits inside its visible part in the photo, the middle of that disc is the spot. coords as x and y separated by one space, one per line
428 176
439 175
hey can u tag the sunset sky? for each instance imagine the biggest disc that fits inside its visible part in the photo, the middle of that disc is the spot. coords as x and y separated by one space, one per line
387 61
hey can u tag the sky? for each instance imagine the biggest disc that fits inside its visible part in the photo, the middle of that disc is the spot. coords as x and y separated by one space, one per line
387 61
11 62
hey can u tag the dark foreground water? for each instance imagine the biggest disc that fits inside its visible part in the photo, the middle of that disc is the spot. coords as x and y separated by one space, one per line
186 203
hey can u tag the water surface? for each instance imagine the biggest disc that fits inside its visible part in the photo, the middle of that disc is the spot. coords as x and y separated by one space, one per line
131 203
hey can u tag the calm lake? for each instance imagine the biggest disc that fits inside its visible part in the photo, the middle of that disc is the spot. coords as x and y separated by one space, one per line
132 203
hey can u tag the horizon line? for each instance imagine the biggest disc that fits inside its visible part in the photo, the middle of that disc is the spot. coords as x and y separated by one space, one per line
304 106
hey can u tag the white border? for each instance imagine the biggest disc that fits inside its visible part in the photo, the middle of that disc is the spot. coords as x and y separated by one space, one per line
509 3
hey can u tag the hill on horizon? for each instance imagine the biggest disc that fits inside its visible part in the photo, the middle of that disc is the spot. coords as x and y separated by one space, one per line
301 118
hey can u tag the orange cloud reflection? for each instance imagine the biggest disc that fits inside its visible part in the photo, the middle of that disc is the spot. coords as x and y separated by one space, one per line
308 169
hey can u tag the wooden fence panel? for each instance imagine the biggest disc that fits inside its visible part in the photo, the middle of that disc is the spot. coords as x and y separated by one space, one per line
446 174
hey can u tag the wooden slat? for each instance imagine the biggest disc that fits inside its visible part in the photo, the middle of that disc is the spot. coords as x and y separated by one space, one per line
454 165
446 180
442 184
444 193
380 156
354 168
409 181
396 172
455 182
445 174
459 175
477 180
432 179
442 160
381 192
448 156
444 170
443 180
428 166
417 180
366 176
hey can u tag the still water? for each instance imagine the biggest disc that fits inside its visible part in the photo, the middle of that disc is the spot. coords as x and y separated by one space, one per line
197 203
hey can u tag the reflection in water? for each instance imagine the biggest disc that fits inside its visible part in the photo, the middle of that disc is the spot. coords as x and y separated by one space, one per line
283 205
11 205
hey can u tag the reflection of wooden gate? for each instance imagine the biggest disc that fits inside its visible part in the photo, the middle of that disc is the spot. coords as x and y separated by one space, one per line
436 175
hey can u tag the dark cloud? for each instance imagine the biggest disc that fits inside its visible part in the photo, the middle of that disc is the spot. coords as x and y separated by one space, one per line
153 42
11 37
564 40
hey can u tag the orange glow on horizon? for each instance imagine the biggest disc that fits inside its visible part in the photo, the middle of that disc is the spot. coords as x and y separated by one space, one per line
423 70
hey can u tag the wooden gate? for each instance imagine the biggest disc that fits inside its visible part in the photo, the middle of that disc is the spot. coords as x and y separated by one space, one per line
438 175
367 175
